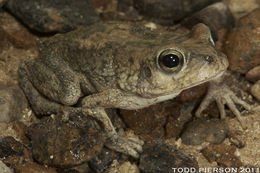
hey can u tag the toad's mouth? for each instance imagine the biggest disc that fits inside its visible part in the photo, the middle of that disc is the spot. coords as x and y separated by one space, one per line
206 80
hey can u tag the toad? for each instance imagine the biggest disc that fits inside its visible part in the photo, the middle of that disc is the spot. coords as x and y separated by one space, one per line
126 66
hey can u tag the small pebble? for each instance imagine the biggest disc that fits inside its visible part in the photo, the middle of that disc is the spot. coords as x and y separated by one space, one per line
213 131
255 90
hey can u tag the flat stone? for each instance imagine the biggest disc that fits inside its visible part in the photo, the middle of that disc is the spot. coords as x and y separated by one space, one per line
66 144
53 16
163 158
213 131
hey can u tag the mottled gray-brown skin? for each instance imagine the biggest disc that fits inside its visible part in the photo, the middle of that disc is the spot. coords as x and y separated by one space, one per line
116 65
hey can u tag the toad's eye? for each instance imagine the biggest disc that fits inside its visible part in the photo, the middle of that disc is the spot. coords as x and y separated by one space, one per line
170 60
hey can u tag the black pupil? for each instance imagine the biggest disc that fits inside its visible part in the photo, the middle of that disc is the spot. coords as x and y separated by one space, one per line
171 60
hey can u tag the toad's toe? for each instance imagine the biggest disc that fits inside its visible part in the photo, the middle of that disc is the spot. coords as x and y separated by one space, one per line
130 146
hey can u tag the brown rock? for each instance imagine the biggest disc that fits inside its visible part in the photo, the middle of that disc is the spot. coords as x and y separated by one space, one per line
253 75
31 167
193 93
13 152
4 41
12 103
66 144
222 154
21 129
100 3
169 11
22 39
242 43
83 168
149 122
174 125
2 2
53 16
161 157
240 8
103 160
216 16
213 131
255 90
11 57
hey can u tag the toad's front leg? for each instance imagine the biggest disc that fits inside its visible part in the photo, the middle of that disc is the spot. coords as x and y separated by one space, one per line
222 94
94 105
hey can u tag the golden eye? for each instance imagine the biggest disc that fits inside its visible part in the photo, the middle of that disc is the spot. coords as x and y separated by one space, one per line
170 60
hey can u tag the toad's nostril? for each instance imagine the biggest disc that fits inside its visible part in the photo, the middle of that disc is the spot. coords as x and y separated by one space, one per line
209 59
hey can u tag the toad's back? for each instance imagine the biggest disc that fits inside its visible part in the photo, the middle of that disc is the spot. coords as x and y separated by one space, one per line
106 52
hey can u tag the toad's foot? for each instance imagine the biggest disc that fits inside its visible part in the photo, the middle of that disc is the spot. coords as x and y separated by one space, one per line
223 95
128 145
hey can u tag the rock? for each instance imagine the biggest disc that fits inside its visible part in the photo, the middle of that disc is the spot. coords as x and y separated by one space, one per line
83 168
31 167
255 90
193 93
10 56
100 3
149 122
12 103
161 157
242 43
253 75
240 8
53 16
22 39
2 2
216 16
125 167
5 39
20 129
127 10
18 35
170 11
12 152
4 168
223 154
236 140
175 122
103 160
213 131
66 144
